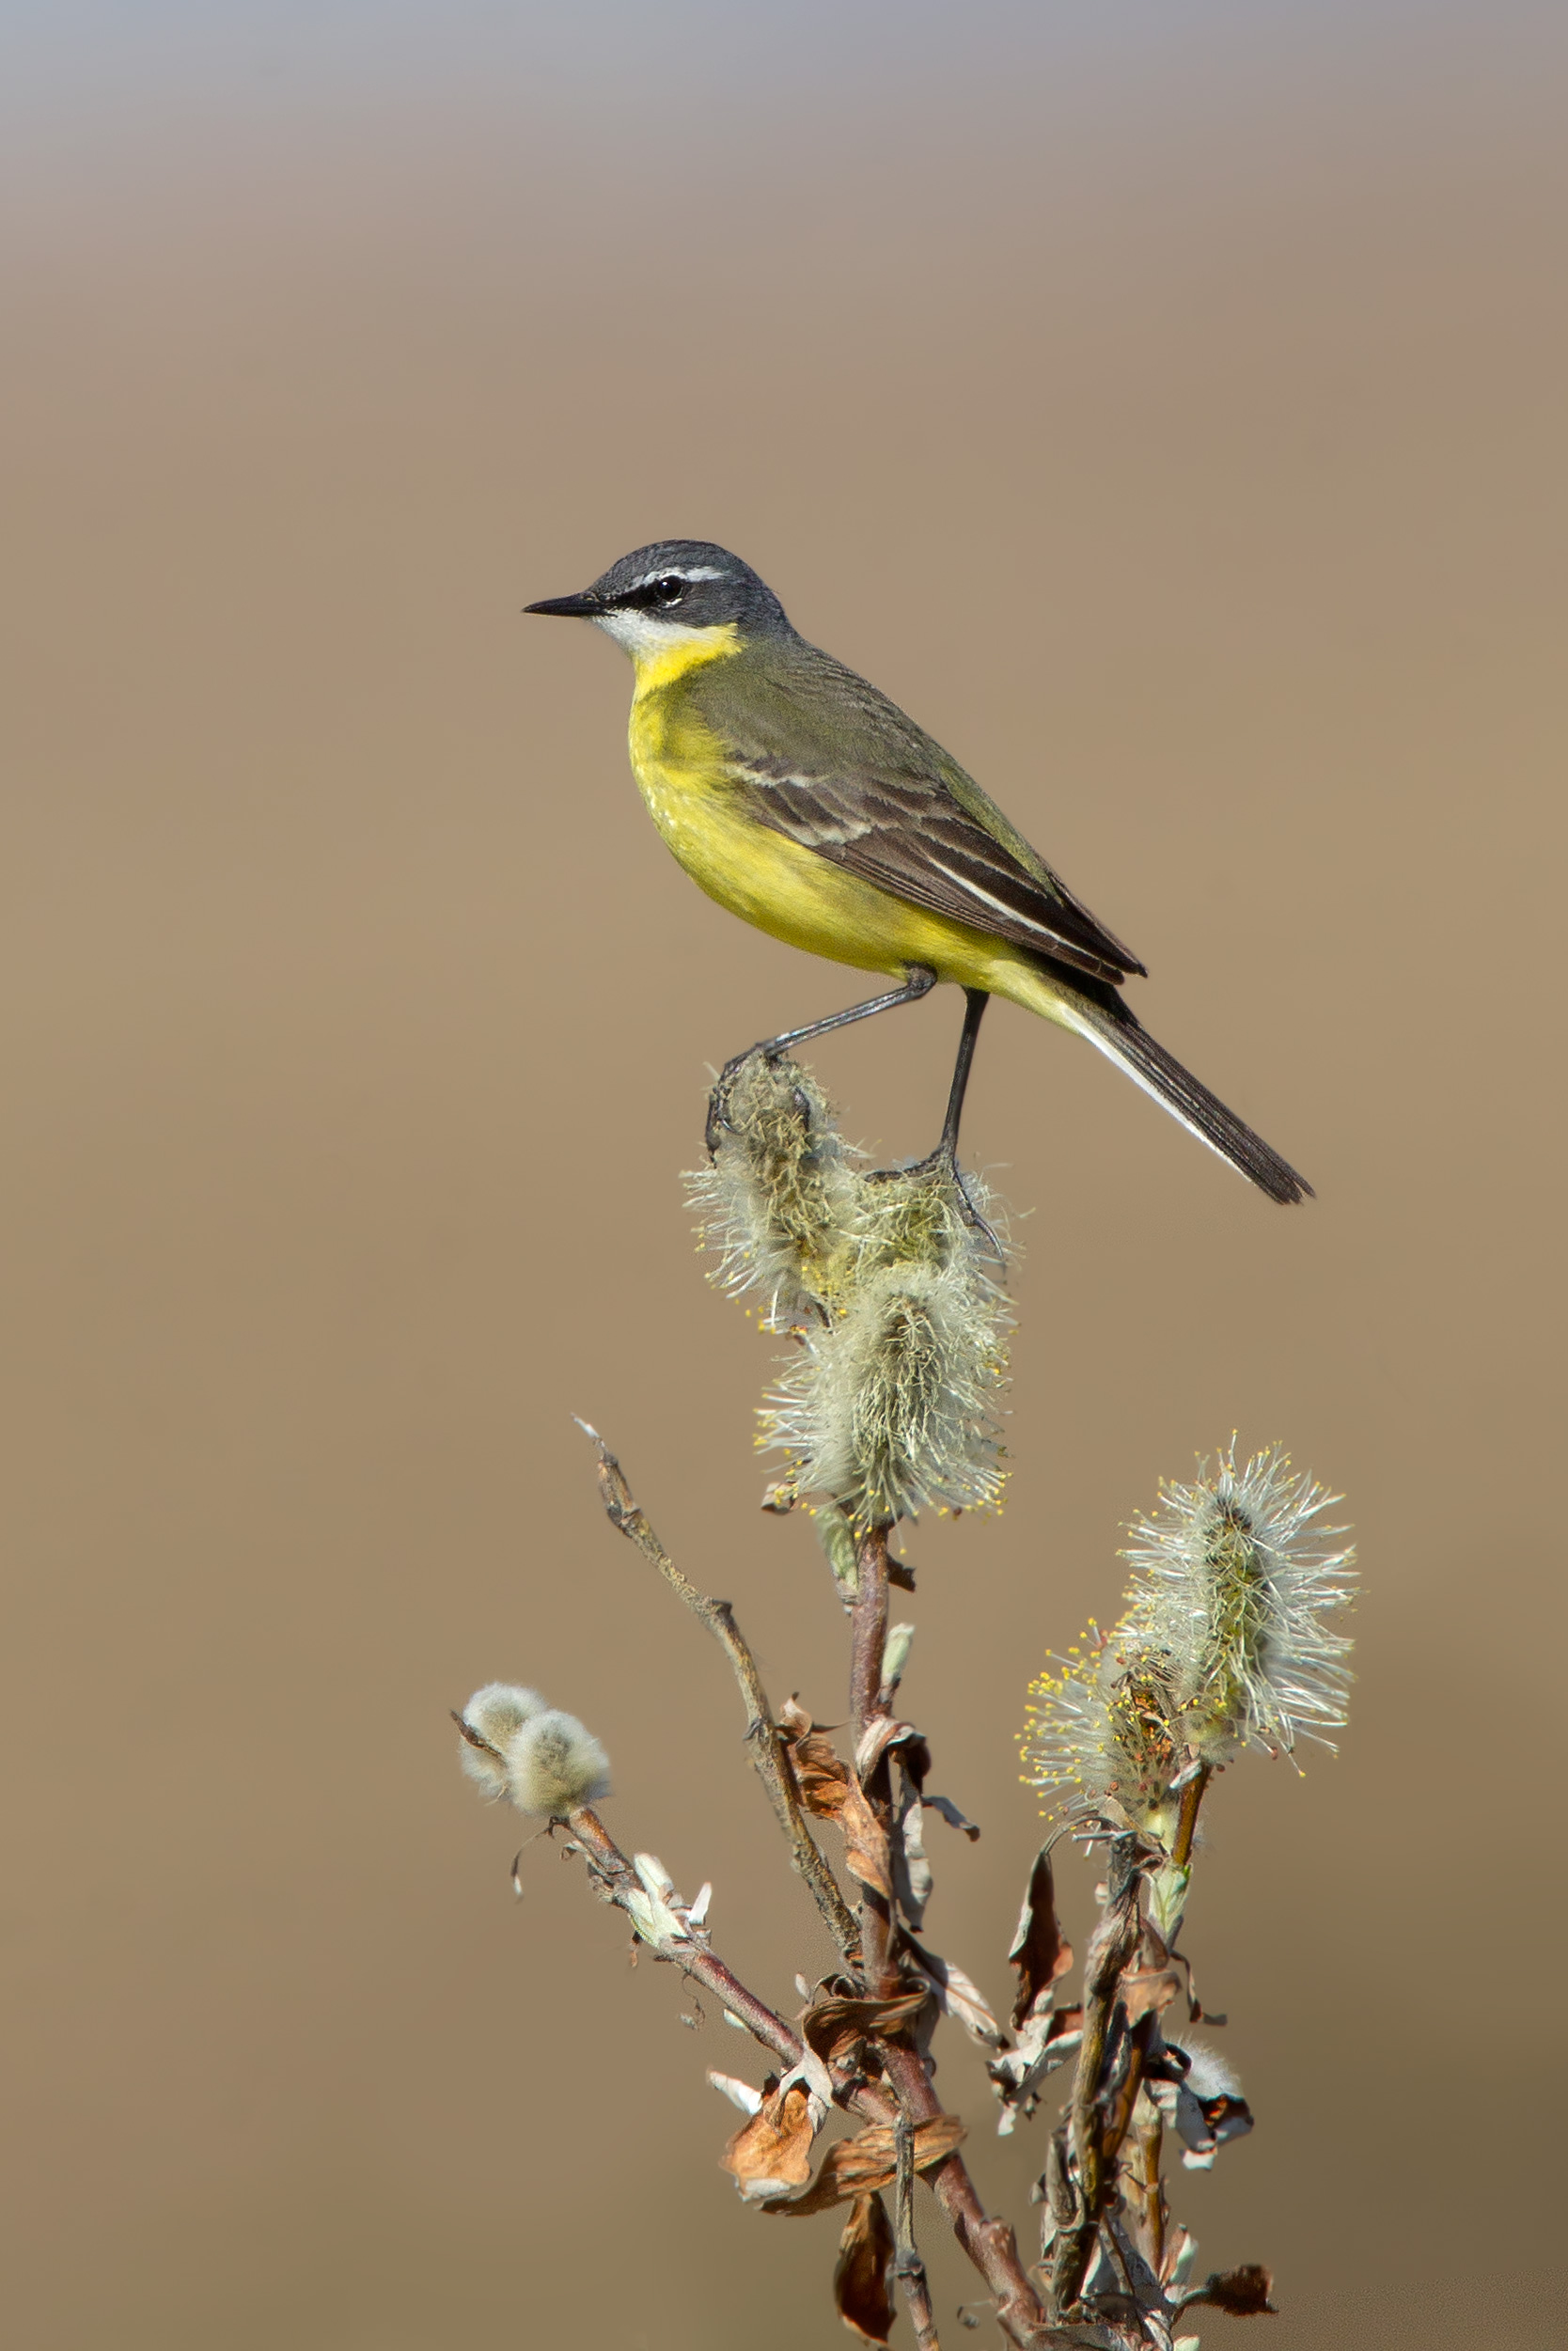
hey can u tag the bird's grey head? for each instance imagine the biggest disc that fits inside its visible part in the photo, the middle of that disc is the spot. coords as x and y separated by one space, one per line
660 595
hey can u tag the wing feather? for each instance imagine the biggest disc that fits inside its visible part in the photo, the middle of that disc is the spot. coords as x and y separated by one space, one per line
908 835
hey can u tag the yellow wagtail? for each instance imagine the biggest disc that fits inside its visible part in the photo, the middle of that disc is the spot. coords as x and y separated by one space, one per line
803 800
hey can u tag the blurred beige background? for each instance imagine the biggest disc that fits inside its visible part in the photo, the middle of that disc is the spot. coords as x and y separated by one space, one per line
1167 407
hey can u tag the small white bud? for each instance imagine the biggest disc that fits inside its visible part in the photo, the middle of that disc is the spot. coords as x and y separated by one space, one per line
837 1537
895 1654
739 2093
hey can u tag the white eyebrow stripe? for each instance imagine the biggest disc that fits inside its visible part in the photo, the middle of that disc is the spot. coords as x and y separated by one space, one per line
675 572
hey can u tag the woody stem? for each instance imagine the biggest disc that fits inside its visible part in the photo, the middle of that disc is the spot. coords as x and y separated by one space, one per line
617 1880
909 2268
1186 1820
868 1641
989 2242
1095 2138
762 1733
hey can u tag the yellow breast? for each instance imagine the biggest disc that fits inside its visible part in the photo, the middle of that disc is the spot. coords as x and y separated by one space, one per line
678 761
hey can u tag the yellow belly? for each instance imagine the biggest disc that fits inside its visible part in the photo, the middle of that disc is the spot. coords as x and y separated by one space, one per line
790 891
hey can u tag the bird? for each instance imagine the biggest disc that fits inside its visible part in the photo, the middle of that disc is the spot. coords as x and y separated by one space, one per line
802 799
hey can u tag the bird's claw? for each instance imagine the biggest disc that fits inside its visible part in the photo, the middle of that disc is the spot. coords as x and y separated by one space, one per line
944 1158
718 1121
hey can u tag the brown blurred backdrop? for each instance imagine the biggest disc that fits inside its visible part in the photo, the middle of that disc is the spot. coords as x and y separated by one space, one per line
1169 409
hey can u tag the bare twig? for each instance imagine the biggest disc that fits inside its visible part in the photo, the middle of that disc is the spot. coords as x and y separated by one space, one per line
1186 1820
762 1733
908 2267
989 2242
868 1639
1110 1953
869 1629
617 1880
1143 2187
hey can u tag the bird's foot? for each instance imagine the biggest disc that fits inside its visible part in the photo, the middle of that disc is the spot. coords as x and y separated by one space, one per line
719 1122
943 1161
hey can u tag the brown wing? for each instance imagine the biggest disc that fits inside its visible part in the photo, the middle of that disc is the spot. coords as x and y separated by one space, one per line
908 835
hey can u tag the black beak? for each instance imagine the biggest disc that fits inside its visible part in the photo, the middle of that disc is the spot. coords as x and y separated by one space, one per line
584 607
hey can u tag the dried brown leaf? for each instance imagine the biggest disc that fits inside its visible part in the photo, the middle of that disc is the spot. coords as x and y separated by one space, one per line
1149 1990
1041 1951
834 2024
773 2151
1224 2118
1244 2292
1180 2247
1202 2125
912 1870
865 1844
960 1996
1051 2036
829 1788
821 1775
954 1818
884 1733
853 2167
862 2276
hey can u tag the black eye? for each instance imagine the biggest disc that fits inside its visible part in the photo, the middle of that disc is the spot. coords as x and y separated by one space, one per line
671 589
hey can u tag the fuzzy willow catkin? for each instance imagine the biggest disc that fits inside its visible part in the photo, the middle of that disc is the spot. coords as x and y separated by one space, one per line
1235 1579
1228 1639
777 1203
518 1749
1101 1723
889 1402
890 1407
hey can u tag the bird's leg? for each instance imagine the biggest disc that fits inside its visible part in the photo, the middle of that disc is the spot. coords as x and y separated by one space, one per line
975 1002
946 1153
919 981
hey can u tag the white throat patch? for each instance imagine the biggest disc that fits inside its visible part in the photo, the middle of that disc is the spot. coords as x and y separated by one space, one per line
645 634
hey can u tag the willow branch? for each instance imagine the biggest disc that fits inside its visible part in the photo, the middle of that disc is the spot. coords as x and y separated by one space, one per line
617 1880
762 1733
988 2243
869 1629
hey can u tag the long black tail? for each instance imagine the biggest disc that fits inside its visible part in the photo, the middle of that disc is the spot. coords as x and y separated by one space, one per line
1121 1038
